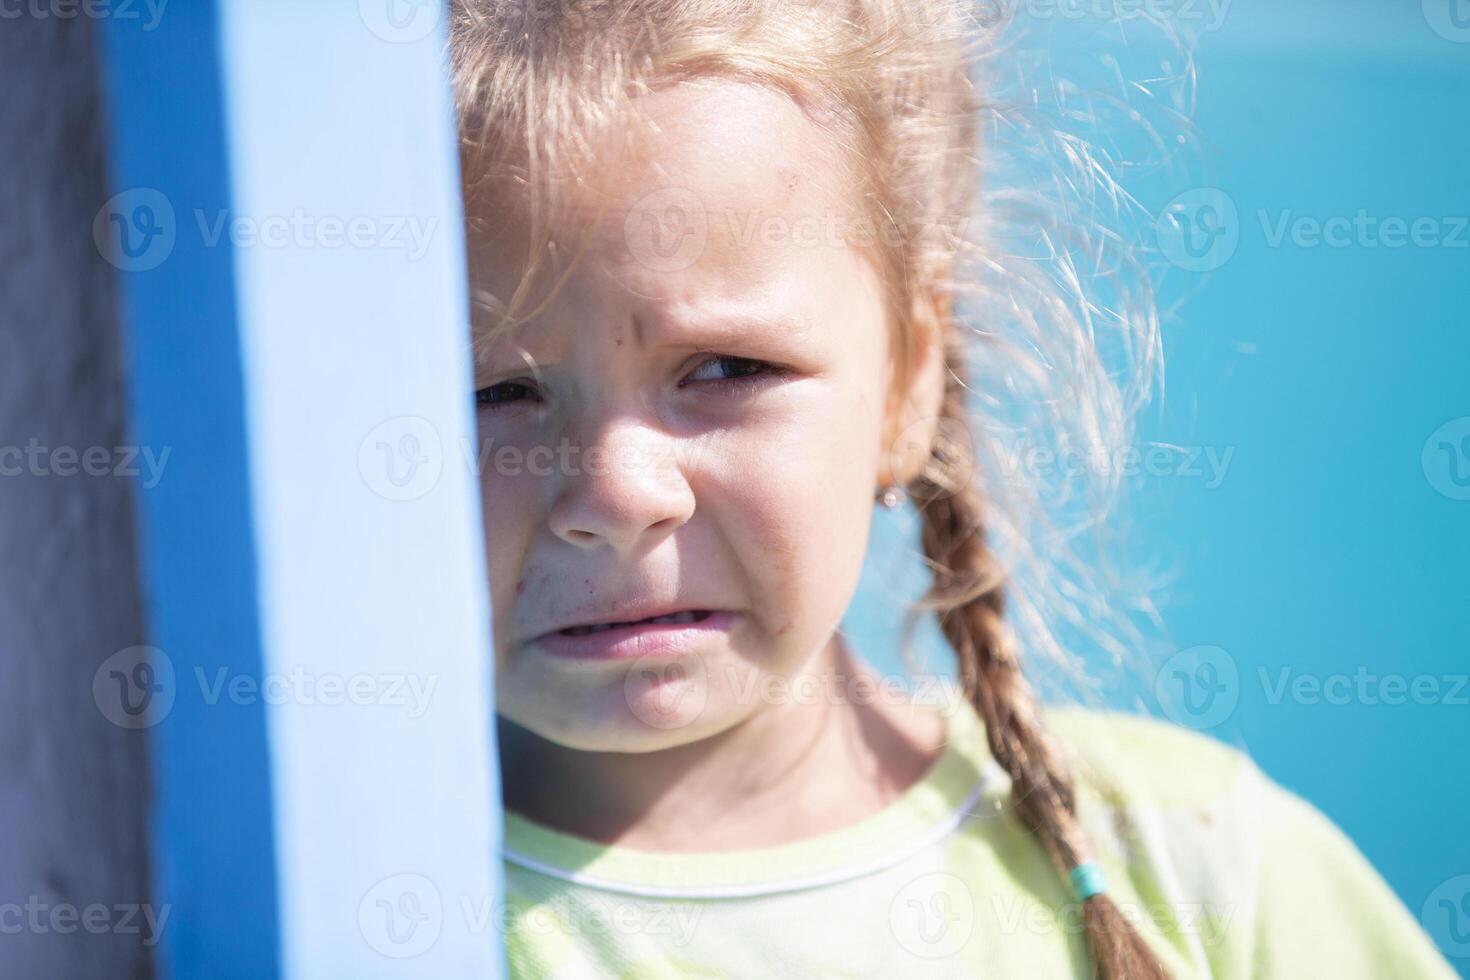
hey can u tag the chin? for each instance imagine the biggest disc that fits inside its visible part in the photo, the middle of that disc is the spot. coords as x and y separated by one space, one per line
633 717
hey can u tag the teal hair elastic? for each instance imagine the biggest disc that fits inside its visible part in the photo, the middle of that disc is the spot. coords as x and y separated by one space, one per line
1087 880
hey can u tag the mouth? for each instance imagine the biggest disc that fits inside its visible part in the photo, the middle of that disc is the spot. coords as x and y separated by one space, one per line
680 618
688 632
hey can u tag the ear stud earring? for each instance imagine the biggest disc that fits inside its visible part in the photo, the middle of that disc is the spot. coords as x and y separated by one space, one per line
891 496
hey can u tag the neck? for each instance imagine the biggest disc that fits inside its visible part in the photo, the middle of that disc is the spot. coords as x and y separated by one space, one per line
792 770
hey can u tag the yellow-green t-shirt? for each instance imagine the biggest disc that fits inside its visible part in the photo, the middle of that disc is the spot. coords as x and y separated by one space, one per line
1225 873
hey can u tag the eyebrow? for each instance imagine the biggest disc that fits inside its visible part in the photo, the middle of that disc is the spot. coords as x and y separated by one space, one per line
733 326
778 328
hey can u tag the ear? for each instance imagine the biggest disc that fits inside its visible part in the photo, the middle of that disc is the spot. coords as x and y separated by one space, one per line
916 398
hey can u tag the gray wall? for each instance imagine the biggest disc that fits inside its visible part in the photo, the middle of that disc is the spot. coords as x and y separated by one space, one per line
73 786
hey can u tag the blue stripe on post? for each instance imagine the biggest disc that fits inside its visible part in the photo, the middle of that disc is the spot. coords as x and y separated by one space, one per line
213 825
359 502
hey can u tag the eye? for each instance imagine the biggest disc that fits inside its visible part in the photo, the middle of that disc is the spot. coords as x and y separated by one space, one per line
507 393
723 367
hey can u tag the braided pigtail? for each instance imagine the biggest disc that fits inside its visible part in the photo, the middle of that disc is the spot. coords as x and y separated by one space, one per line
968 596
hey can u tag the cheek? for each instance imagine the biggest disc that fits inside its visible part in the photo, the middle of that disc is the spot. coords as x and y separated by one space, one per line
795 503
508 508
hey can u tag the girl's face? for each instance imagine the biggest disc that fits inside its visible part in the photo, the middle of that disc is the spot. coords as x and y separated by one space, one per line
694 424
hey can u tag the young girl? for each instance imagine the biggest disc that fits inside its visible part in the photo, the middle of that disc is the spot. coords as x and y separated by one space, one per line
715 247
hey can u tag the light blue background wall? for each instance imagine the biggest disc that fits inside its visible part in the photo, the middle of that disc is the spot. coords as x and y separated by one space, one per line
1330 547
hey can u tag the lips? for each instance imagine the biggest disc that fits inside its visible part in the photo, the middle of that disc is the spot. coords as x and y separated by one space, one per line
680 633
676 618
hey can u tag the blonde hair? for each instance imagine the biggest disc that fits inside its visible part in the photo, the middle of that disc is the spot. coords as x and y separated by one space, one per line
1032 339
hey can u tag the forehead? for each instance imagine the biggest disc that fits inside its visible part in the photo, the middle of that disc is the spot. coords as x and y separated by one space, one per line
713 186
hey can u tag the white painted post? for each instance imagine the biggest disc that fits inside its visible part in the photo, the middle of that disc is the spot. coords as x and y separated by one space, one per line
312 180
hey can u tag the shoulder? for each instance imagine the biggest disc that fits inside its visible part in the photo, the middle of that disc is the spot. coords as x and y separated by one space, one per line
1182 814
1276 887
1137 760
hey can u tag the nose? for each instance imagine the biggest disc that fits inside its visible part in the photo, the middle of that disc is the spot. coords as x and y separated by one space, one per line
625 491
